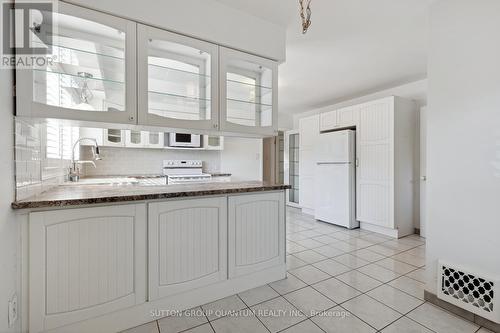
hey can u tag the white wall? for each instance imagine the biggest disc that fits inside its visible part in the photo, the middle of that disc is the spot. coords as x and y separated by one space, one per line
209 20
242 157
416 91
9 226
463 225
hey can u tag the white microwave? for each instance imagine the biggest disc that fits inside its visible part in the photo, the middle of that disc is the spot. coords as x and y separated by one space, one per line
184 140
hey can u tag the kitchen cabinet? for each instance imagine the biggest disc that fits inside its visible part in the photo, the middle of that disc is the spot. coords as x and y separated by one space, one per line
248 93
337 119
113 137
84 263
92 72
187 245
178 80
308 137
112 70
385 165
256 232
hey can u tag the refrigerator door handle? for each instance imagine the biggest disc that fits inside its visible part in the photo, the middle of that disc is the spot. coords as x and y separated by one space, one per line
357 162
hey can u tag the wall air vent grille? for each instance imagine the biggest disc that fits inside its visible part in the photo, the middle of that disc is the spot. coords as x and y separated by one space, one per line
469 291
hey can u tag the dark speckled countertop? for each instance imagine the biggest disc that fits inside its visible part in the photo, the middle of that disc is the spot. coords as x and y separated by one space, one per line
71 195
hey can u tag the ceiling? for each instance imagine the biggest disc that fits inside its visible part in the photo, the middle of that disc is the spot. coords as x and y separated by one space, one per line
353 48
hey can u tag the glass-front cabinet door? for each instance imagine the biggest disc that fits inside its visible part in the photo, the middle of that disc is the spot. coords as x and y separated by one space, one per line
91 71
177 80
248 93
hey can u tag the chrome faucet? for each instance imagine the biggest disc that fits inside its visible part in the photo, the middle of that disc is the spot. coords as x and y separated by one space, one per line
74 171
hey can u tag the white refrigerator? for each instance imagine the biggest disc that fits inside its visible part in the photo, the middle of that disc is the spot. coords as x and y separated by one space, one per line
335 179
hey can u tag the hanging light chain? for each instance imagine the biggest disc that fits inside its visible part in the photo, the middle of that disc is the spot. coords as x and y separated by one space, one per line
305 14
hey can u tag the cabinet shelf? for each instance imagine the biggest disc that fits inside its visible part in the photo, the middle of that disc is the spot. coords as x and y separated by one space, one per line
75 76
98 54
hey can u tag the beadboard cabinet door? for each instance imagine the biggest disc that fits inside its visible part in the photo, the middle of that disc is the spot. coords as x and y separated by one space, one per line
84 263
256 232
375 168
187 245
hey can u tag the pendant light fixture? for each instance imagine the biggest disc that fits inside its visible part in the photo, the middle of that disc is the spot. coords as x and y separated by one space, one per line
305 14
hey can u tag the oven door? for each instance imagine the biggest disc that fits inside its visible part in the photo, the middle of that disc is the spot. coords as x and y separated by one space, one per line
184 140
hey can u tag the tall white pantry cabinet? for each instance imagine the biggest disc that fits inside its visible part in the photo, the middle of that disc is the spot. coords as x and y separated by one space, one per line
385 161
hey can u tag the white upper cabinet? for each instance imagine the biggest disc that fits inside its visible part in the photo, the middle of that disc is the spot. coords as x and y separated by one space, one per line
341 118
178 81
92 73
248 93
328 120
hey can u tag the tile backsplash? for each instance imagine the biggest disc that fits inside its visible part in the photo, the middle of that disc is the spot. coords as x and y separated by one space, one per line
143 161
35 172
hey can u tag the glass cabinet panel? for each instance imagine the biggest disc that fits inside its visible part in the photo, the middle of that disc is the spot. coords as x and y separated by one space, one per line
178 81
248 97
292 166
90 72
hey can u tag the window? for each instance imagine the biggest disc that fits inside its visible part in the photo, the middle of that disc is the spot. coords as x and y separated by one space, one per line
60 140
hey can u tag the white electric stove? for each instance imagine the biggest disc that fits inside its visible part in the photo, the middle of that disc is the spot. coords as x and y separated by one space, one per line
185 171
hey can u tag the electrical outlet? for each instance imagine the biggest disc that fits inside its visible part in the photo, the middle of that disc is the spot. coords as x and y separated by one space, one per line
13 310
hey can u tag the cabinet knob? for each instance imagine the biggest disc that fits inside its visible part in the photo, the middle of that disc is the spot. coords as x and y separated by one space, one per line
216 126
131 118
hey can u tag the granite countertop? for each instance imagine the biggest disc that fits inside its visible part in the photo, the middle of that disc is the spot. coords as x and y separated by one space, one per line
71 195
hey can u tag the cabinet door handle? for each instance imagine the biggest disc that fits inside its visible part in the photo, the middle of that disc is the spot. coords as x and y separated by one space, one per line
357 162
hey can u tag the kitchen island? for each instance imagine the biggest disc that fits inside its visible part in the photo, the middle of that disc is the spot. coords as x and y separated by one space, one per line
106 258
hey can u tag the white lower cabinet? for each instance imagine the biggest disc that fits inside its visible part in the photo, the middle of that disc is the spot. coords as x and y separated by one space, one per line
256 232
187 245
85 263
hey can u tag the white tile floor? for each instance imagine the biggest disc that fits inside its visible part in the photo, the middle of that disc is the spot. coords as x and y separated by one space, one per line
338 281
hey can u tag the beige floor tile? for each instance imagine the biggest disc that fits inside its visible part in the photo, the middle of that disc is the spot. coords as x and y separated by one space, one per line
396 266
359 281
292 247
309 274
307 326
258 295
371 311
151 327
242 322
343 236
484 330
310 243
287 285
338 320
294 262
332 267
419 275
410 259
379 273
360 243
296 237
185 320
409 286
351 261
368 255
310 256
278 314
329 251
325 239
395 298
309 301
380 249
336 290
205 328
344 246
311 233
223 307
440 320
405 325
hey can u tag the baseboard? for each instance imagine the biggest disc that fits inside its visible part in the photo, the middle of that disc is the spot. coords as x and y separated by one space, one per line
380 230
432 298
